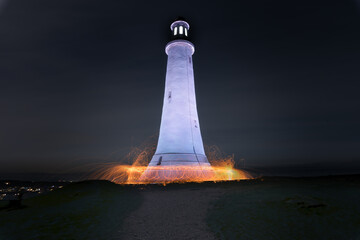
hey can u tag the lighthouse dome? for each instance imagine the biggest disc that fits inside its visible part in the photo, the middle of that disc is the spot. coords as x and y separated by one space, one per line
180 29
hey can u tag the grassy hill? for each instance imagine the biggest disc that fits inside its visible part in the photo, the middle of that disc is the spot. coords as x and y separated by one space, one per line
85 210
289 208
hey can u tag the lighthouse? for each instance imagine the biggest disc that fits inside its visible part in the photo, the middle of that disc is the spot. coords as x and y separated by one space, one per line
180 152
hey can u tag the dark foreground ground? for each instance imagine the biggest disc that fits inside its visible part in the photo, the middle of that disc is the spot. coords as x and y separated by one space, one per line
266 208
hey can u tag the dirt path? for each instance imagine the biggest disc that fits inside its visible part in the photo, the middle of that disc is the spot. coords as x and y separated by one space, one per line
171 214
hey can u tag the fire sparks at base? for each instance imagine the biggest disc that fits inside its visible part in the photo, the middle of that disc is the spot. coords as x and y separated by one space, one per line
127 174
138 172
190 174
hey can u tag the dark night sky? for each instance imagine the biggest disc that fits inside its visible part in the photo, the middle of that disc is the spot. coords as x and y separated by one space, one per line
82 81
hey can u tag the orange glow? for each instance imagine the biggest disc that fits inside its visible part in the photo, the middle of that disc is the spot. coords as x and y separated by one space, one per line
221 169
126 174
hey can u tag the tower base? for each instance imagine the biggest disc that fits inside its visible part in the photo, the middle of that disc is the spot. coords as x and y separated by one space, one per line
177 168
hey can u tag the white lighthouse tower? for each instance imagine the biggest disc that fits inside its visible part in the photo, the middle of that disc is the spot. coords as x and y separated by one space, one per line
180 143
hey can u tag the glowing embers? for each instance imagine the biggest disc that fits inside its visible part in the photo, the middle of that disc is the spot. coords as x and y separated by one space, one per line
166 174
137 170
176 174
126 174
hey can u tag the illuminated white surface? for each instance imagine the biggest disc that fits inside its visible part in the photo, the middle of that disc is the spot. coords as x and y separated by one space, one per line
180 141
175 31
183 43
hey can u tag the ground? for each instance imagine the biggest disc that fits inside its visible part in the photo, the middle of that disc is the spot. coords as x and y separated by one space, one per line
264 208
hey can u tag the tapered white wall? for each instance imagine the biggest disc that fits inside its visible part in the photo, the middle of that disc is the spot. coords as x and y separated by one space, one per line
180 141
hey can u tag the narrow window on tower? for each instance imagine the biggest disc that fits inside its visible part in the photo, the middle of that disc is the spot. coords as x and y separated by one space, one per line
190 60
181 30
169 96
175 31
159 161
185 31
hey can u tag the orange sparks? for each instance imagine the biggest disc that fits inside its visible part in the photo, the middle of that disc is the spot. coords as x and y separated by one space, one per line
137 170
126 174
221 169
